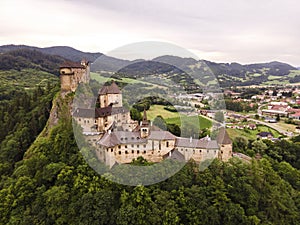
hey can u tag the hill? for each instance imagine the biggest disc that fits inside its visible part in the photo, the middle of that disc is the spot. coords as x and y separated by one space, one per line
46 180
185 71
206 72
62 51
26 58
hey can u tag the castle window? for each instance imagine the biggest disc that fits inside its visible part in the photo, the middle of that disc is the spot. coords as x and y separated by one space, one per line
107 149
167 144
200 150
126 138
79 119
138 152
121 139
194 151
111 149
95 121
215 151
119 146
132 138
132 151
144 152
144 146
125 146
120 152
132 146
137 146
222 152
126 152
207 151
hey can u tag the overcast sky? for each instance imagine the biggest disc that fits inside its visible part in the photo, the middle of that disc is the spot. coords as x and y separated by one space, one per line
244 31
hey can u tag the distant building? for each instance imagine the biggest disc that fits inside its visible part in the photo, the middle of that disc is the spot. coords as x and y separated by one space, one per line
265 135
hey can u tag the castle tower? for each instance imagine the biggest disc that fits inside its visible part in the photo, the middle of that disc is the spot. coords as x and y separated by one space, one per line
225 145
110 95
72 73
145 128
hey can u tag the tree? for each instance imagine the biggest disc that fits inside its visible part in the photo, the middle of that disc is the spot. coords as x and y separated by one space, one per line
160 122
241 143
135 114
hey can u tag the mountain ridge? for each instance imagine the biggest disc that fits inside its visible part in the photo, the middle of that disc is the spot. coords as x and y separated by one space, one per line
228 74
66 52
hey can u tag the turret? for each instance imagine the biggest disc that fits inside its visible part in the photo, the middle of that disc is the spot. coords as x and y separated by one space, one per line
72 73
145 128
110 94
225 145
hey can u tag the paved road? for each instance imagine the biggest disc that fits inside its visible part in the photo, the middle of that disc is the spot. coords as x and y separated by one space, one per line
272 125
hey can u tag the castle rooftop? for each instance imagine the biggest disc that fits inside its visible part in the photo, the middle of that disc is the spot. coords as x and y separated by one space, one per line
111 89
69 64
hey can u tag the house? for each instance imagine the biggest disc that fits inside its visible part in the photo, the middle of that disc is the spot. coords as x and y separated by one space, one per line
252 126
265 135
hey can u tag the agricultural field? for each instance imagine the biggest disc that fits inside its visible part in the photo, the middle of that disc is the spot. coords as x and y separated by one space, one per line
251 134
175 118
158 110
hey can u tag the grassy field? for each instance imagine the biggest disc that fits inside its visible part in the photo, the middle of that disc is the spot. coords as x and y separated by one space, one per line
175 118
158 110
191 121
251 134
288 127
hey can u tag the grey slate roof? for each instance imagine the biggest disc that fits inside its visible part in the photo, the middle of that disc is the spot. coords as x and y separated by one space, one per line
121 137
196 143
161 135
111 89
93 113
223 137
175 155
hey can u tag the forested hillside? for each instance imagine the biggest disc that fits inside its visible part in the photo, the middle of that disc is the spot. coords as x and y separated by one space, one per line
45 179
62 51
53 184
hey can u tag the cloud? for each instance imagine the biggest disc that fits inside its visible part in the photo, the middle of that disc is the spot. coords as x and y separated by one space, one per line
235 30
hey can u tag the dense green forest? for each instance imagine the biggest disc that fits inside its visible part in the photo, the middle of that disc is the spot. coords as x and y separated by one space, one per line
53 184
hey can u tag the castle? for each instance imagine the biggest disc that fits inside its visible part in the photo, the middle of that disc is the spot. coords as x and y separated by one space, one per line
118 139
72 73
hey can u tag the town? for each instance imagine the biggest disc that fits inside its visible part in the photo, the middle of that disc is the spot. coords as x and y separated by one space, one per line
252 113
